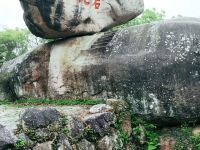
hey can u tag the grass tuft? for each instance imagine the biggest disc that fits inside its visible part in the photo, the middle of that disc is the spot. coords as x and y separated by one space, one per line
52 102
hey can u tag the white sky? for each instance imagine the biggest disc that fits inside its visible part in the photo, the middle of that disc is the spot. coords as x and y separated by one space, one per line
11 11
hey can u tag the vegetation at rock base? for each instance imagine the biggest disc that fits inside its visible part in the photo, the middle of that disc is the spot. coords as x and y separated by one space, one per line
20 144
123 138
51 102
53 132
184 138
89 134
145 134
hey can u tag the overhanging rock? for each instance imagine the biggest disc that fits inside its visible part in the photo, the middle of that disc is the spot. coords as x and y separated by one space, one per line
155 67
64 18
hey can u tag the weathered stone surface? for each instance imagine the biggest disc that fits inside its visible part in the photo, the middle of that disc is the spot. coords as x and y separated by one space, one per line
105 143
28 75
100 108
118 105
63 18
196 131
38 136
43 146
76 127
167 144
85 145
4 86
35 118
126 124
9 116
100 123
6 139
65 145
154 67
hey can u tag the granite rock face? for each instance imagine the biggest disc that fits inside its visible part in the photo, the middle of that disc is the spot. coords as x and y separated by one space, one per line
6 139
26 76
64 18
154 67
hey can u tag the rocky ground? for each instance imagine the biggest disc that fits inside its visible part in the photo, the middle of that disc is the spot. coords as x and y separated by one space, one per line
62 127
107 126
9 115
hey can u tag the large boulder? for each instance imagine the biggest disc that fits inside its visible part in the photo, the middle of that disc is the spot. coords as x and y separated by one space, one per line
64 18
26 76
154 67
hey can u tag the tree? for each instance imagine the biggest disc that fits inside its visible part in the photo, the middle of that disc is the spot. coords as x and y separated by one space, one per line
12 43
15 42
149 15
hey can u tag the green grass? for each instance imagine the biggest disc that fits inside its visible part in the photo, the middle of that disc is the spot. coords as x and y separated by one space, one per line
4 102
52 102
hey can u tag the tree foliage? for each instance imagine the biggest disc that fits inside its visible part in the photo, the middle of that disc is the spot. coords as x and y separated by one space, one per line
149 15
12 43
15 42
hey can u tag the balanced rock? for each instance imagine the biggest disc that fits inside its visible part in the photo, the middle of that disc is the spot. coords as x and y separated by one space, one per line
154 67
64 18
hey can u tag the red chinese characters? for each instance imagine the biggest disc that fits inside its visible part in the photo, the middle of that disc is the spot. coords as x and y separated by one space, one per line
95 3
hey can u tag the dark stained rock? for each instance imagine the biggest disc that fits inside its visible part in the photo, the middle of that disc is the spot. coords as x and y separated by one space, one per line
167 144
63 18
43 146
154 67
6 139
76 128
65 145
106 143
85 145
4 86
126 124
100 123
36 118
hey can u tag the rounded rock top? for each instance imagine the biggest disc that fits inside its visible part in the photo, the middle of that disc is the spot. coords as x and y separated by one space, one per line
55 19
